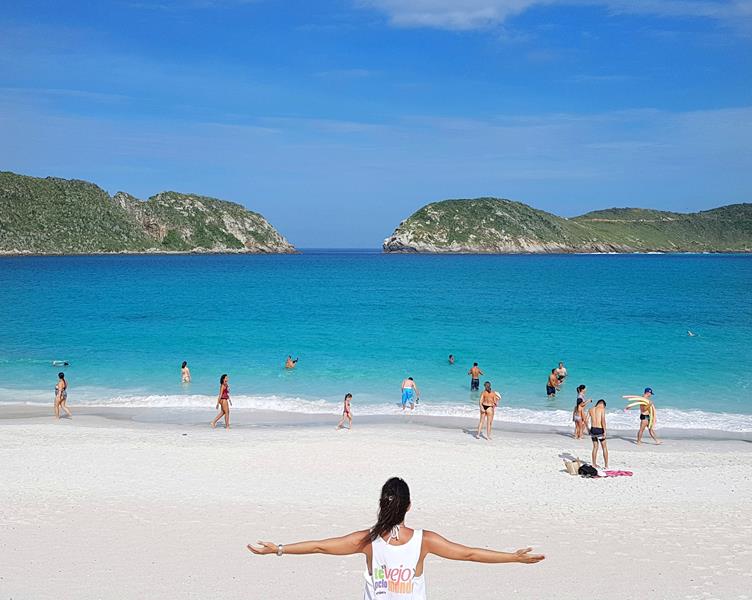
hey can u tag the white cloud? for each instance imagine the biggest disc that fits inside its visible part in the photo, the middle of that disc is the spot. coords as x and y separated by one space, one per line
344 73
56 93
449 14
477 14
185 4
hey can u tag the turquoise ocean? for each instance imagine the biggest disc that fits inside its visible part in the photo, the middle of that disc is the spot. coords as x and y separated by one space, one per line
361 321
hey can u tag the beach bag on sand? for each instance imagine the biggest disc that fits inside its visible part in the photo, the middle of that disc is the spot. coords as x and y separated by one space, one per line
588 471
572 466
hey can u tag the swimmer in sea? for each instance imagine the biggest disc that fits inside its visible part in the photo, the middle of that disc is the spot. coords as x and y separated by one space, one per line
645 421
551 384
223 402
290 363
410 393
61 396
185 373
346 414
578 415
598 431
561 374
690 334
451 359
475 374
488 402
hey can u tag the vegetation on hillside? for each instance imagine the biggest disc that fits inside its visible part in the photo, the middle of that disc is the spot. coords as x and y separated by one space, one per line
499 225
59 216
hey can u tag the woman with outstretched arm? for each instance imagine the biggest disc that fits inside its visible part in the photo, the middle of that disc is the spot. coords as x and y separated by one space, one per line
395 553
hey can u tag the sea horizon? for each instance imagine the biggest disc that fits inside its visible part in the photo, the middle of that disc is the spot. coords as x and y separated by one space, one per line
357 250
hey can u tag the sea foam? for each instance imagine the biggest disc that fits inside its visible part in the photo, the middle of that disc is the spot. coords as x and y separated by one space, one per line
617 419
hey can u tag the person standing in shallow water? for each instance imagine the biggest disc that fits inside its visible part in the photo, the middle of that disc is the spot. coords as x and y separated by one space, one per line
393 552
223 402
475 374
410 393
61 396
185 373
561 374
551 384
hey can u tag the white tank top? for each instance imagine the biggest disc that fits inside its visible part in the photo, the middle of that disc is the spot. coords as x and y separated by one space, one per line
392 574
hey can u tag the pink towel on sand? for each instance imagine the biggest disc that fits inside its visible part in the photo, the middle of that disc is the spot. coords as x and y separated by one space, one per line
617 473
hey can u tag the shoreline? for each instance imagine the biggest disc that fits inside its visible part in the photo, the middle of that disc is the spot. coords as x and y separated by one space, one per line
155 252
249 418
573 253
377 251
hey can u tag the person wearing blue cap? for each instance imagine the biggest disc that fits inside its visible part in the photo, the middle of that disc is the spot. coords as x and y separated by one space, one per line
646 421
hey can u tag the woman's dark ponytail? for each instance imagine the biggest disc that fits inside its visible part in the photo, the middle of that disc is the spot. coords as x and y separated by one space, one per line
393 505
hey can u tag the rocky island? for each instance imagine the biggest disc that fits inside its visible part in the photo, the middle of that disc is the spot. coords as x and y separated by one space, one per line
68 216
500 226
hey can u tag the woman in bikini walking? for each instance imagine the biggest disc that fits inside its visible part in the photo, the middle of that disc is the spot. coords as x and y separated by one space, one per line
346 414
394 553
223 402
61 396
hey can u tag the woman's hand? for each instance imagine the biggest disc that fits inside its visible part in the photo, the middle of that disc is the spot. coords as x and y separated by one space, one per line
263 548
523 555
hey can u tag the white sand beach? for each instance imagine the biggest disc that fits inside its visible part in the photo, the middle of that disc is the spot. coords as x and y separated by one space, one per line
102 506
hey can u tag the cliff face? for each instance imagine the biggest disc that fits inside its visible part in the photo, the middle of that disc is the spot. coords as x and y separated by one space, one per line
183 222
498 226
59 216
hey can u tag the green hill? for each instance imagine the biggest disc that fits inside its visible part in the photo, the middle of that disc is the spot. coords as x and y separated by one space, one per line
493 225
724 229
61 216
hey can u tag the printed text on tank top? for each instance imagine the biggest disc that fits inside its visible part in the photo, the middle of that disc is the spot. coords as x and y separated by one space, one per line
394 567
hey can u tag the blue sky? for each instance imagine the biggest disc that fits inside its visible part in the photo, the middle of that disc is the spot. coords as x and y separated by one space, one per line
336 119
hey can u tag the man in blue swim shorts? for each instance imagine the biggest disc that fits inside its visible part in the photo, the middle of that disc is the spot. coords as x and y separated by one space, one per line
410 393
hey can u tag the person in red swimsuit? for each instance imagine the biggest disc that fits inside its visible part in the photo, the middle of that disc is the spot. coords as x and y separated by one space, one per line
346 414
223 402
